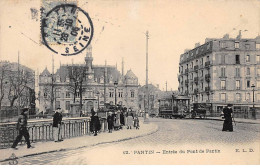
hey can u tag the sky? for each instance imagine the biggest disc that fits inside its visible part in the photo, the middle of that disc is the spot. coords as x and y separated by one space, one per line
119 32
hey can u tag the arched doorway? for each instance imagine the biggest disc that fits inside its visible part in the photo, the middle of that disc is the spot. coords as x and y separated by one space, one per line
89 106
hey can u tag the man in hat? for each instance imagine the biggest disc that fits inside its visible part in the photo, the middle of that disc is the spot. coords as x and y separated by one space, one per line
56 124
22 128
227 126
94 123
110 122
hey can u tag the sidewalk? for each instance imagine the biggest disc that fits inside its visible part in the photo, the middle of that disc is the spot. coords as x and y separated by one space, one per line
238 120
79 142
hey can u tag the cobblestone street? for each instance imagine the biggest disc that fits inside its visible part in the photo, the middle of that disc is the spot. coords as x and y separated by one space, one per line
173 135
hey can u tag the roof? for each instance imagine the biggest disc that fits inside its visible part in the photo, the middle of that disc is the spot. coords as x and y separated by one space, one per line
130 74
45 72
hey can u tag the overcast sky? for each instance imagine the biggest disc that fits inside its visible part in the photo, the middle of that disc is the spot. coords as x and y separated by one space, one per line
119 31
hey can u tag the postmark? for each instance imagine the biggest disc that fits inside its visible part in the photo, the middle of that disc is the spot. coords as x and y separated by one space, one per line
67 29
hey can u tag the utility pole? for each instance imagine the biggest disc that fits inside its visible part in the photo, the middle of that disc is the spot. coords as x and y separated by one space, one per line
146 82
19 98
52 85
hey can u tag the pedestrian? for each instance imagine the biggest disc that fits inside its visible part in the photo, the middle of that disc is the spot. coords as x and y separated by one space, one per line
94 123
227 126
122 118
60 125
56 124
136 122
110 122
129 121
22 128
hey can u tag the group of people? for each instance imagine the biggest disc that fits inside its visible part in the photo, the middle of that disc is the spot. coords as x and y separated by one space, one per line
117 119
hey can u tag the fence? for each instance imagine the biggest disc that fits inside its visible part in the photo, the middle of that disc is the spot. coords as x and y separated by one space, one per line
43 131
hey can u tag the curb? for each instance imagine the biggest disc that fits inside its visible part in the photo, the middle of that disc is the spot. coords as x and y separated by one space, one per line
248 122
85 146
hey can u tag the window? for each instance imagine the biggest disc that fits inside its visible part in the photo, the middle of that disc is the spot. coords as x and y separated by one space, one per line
258 46
102 102
237 72
238 84
258 71
111 102
57 104
223 85
248 84
247 96
111 94
57 93
201 73
45 95
222 59
201 61
236 44
202 97
201 85
223 72
238 97
248 71
77 94
248 58
132 94
223 97
208 46
258 58
237 59
207 58
258 85
222 44
247 46
258 97
67 94
67 105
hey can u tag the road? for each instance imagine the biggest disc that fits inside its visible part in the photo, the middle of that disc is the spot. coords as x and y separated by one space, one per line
174 142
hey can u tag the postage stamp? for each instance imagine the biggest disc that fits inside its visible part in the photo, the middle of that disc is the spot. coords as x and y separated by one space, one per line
66 29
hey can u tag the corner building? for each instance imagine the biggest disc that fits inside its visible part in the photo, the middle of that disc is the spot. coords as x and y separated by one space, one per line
223 71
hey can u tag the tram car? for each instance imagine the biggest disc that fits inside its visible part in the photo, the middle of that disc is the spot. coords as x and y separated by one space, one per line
174 106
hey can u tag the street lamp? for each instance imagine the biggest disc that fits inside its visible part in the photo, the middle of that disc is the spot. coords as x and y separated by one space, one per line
98 98
115 83
253 112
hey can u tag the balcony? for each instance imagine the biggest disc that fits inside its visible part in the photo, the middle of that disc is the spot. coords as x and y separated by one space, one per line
196 67
187 82
207 77
207 89
186 71
196 80
207 64
196 91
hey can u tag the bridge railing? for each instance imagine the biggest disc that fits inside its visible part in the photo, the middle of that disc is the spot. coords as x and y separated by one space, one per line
41 131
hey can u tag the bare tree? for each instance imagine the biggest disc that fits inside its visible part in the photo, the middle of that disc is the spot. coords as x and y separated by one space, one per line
4 71
77 74
19 85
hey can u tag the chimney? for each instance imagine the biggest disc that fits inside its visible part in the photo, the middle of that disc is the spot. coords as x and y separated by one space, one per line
197 44
226 36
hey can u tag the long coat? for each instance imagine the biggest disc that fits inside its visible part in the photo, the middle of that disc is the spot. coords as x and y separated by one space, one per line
56 119
122 119
227 126
130 120
94 124
110 122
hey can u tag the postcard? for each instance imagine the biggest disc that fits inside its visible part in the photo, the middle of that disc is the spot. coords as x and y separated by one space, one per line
132 82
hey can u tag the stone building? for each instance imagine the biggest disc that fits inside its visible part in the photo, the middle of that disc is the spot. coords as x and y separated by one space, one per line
222 71
98 87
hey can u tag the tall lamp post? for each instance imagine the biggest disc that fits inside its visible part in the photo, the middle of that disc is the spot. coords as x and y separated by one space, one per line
115 84
253 112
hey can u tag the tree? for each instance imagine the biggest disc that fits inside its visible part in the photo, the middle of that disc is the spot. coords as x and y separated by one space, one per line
77 74
4 71
19 85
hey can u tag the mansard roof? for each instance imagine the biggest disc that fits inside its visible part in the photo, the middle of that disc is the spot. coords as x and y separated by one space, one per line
130 74
45 72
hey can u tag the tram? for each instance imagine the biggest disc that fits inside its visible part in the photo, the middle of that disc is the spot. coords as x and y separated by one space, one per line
174 106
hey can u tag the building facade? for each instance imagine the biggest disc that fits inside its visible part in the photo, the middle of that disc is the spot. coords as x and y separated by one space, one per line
222 71
98 87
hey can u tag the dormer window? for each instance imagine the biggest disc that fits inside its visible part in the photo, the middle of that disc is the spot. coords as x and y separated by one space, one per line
236 44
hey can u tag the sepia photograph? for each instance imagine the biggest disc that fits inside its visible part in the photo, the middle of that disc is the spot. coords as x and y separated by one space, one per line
129 82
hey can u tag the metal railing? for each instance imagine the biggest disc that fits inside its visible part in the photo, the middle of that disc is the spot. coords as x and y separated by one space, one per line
43 131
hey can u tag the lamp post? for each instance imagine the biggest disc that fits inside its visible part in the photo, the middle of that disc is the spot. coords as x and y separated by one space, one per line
98 98
253 112
115 84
